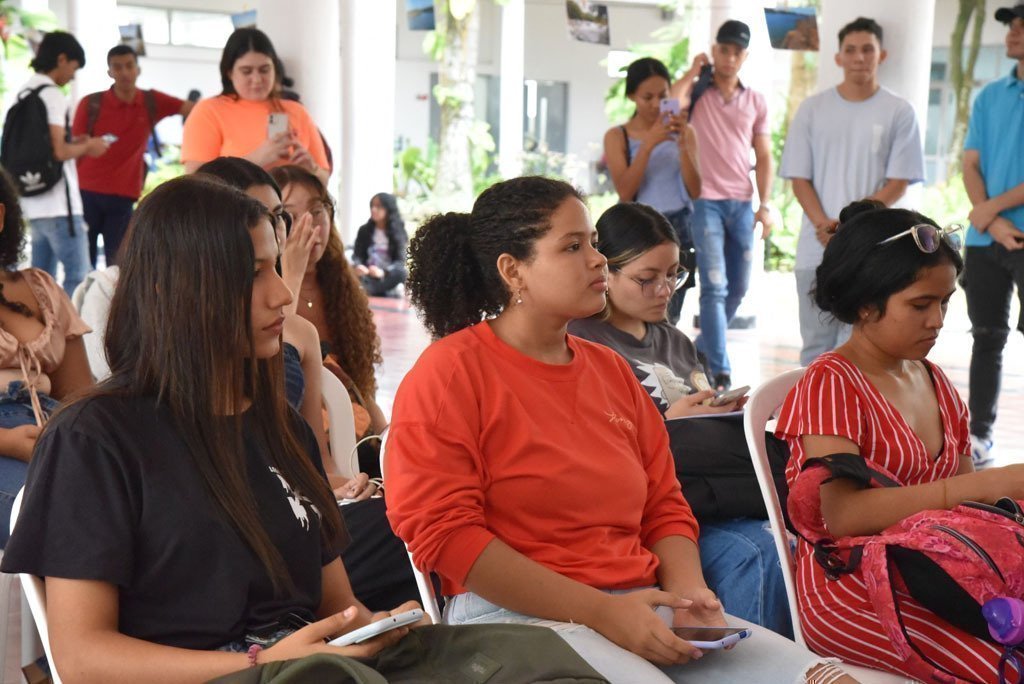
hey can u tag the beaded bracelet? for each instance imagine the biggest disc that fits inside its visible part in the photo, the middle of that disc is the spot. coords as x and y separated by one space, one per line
253 652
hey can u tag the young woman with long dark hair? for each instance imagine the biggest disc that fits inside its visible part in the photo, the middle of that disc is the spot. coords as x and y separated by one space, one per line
378 255
179 512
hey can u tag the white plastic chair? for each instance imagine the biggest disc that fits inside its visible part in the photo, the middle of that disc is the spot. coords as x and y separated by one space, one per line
34 591
760 408
342 421
427 596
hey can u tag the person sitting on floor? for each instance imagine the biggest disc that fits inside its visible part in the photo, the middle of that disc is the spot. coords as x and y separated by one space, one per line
379 251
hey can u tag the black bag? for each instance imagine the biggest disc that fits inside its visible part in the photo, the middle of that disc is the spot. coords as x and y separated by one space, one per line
713 465
26 151
442 654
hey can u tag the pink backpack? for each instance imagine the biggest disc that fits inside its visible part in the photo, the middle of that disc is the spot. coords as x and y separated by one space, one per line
950 561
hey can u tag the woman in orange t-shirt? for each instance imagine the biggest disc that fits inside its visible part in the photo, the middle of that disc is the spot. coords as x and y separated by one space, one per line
236 123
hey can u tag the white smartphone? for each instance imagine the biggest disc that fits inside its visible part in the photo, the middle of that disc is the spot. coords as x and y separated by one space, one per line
728 397
358 636
109 138
277 122
712 638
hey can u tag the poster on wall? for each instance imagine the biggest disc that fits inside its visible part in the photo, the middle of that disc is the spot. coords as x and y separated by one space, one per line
792 28
588 21
131 35
246 19
419 15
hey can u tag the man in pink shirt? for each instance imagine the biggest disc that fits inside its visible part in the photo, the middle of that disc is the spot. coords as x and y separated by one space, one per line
730 119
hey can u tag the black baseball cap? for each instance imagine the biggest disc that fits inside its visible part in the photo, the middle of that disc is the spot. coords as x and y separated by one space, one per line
1007 14
735 32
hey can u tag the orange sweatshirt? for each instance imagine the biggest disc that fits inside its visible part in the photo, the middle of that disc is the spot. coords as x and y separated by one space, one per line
567 464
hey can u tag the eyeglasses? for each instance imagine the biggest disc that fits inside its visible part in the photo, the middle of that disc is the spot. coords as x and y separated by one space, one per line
927 236
320 212
285 218
654 287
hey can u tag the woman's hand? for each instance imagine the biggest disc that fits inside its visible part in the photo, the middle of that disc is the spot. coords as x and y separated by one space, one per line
302 157
272 149
361 270
705 610
299 244
658 133
359 488
375 272
629 620
692 405
18 442
311 639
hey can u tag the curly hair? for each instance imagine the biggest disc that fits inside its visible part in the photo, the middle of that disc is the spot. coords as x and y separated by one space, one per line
353 334
453 274
12 237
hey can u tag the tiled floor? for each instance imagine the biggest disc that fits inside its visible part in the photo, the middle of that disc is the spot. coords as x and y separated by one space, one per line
756 354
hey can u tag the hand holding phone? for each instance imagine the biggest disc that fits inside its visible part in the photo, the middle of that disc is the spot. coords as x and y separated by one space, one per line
669 109
357 636
712 638
728 397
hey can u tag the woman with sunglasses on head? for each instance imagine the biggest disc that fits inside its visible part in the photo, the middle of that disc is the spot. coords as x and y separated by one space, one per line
179 512
889 273
529 469
738 553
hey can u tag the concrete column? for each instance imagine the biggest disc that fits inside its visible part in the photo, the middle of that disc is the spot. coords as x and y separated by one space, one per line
312 58
94 23
365 162
513 38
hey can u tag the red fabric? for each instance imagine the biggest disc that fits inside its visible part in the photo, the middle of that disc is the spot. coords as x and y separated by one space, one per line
119 171
837 616
567 464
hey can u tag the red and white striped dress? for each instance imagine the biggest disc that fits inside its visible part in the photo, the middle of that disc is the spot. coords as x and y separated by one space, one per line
835 398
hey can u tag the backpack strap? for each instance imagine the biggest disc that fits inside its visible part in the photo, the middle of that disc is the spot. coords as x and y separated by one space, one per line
149 98
629 152
92 111
853 467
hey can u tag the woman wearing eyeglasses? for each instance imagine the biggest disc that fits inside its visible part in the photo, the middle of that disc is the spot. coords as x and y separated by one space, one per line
889 273
738 555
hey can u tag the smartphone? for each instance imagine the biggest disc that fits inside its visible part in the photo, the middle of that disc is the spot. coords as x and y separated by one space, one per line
277 122
358 636
109 138
711 638
669 108
728 397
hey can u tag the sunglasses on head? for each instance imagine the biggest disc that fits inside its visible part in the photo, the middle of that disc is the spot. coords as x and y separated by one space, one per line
927 237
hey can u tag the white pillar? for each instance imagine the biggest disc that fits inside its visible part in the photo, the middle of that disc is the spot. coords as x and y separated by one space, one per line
368 44
311 58
513 40
94 24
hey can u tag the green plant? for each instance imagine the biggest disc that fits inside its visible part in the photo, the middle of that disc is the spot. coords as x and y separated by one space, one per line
17 27
168 166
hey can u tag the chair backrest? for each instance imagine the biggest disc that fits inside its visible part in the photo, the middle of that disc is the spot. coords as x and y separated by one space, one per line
423 583
342 421
34 591
760 408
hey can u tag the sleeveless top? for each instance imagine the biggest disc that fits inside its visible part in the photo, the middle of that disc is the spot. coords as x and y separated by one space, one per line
662 186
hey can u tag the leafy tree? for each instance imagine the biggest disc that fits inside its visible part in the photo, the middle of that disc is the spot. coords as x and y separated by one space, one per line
961 75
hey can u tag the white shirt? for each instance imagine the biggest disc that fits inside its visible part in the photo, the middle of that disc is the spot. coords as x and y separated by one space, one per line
54 201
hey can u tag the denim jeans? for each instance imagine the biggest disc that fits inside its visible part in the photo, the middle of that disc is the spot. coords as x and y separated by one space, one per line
51 243
723 233
741 565
15 411
765 657
109 216
819 331
681 220
990 274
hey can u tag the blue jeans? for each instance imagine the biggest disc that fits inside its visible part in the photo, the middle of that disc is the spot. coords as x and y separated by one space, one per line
51 243
15 411
741 565
723 233
765 657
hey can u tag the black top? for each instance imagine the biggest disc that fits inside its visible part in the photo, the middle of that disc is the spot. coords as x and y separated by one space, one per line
398 239
113 495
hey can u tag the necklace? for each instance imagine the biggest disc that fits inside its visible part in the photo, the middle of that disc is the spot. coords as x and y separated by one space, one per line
307 298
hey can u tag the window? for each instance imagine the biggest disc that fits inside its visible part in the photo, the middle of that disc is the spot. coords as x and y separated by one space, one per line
166 26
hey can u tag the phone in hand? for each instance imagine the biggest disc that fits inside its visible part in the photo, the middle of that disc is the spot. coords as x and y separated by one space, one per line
358 636
669 109
109 138
729 396
712 638
277 123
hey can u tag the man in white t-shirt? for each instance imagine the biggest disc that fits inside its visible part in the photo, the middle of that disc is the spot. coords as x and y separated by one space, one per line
855 141
55 238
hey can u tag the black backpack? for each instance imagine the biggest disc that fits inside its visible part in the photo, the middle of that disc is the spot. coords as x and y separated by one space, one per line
27 150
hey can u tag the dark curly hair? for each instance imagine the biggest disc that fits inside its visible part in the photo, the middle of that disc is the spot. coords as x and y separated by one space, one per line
453 274
353 334
857 272
12 238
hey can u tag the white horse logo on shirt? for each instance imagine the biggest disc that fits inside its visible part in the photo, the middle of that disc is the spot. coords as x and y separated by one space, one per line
297 501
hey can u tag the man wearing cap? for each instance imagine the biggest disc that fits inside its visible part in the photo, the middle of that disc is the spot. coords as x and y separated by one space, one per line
729 119
857 140
993 167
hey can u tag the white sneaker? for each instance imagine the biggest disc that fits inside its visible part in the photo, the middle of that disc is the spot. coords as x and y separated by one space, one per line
981 452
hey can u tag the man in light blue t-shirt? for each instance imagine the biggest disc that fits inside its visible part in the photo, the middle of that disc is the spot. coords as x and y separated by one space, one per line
847 143
994 179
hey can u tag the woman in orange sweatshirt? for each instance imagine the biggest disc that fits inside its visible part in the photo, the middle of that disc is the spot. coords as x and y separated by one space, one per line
530 470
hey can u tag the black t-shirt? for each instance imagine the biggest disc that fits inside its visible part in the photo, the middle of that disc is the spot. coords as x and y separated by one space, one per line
113 495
